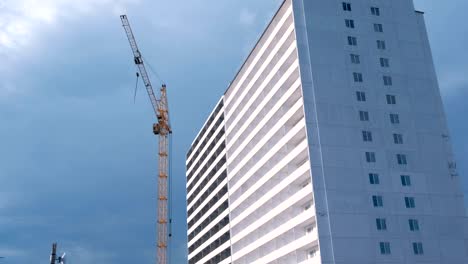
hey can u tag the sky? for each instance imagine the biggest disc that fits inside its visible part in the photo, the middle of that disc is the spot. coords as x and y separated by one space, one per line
78 158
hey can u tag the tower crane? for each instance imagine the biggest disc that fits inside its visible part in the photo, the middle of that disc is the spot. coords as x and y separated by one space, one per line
162 129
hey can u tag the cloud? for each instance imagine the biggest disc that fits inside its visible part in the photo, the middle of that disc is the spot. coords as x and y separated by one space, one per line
21 21
247 17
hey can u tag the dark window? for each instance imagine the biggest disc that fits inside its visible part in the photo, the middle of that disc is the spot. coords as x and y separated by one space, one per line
405 180
387 80
394 119
391 99
418 248
413 224
361 96
381 223
401 159
367 136
377 201
381 44
355 59
378 28
352 41
374 178
346 6
385 248
357 77
370 157
384 62
349 23
409 202
375 11
398 138
364 115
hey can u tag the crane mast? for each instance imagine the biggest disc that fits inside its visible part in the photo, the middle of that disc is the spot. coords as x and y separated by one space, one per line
163 130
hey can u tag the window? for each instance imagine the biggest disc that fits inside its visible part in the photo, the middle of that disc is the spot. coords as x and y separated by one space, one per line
349 23
394 118
352 41
387 80
384 62
385 248
409 202
391 99
375 11
311 254
398 138
381 224
357 77
367 136
370 157
374 178
364 115
413 224
346 6
309 229
401 158
355 59
378 28
381 45
418 248
405 180
377 201
361 96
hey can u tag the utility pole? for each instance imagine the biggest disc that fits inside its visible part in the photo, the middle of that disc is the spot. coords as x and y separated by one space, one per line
53 255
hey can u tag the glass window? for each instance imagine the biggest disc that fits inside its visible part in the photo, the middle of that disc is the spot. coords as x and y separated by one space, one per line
374 178
364 115
370 157
409 202
349 23
405 180
384 62
355 59
361 96
377 201
375 11
378 28
385 248
387 80
413 224
418 248
367 136
391 99
346 6
381 223
357 77
394 118
381 44
401 158
398 138
352 41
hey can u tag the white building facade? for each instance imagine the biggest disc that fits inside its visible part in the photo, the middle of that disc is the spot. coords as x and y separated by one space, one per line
329 146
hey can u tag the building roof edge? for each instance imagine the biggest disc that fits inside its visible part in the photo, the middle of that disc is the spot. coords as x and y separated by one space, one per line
255 46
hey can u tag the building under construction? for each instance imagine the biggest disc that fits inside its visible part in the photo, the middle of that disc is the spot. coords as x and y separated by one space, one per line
329 146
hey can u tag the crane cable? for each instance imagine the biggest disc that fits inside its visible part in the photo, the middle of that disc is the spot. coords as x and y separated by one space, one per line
153 71
136 87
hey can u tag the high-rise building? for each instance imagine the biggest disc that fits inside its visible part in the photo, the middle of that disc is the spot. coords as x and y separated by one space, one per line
329 146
